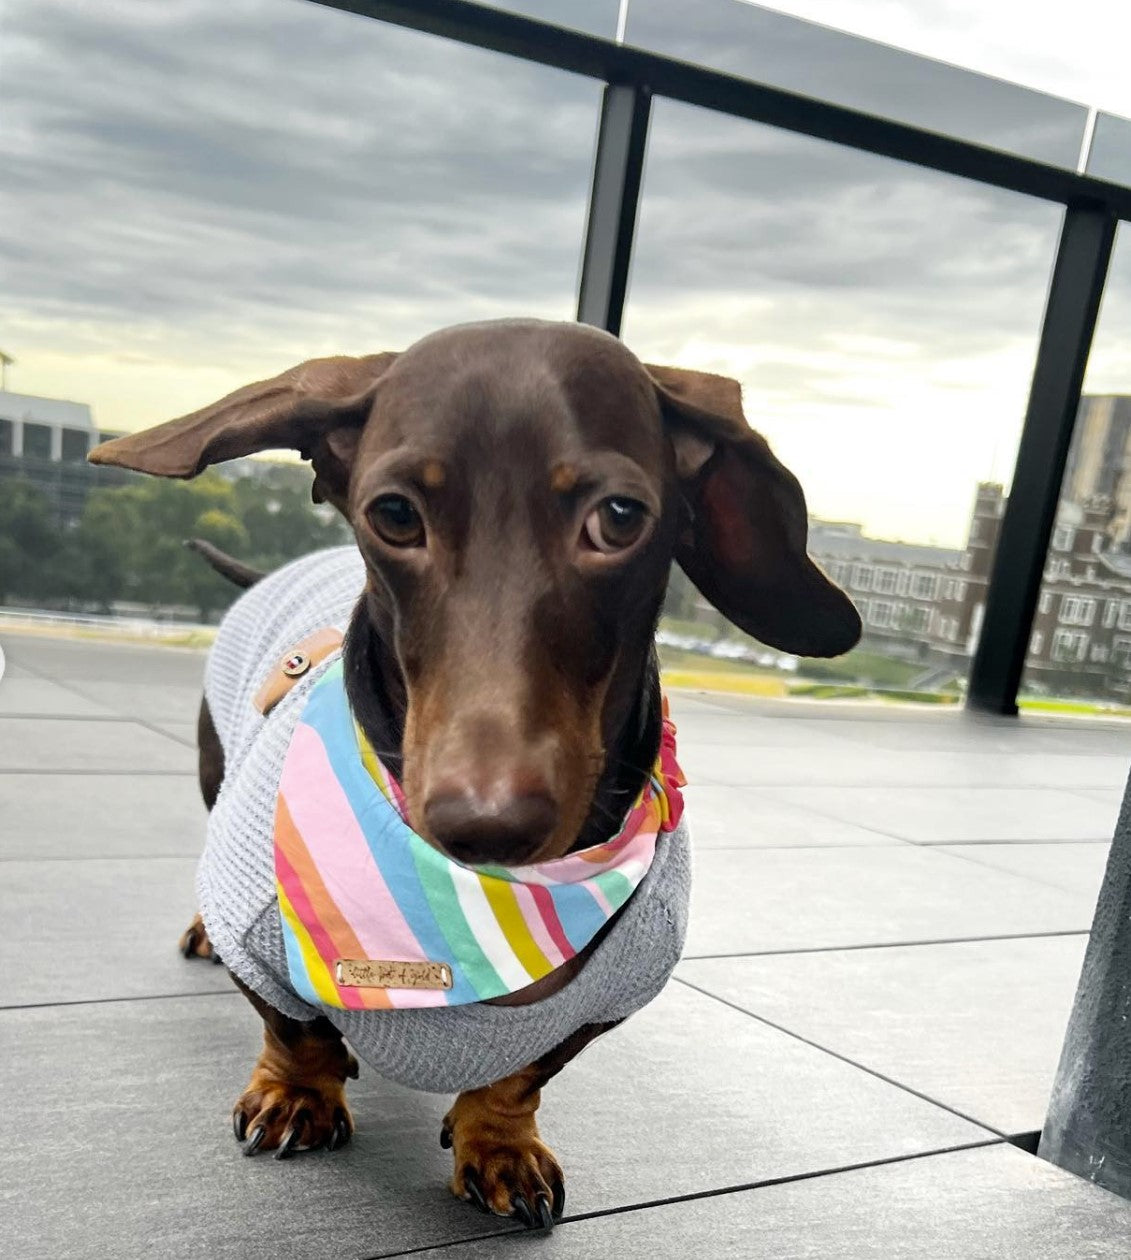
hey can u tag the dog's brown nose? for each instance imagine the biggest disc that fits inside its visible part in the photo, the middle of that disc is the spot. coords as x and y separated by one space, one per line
508 828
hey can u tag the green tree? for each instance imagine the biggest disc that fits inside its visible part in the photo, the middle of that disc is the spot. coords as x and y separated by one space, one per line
29 541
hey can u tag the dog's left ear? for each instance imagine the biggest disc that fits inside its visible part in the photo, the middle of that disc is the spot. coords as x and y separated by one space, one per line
744 547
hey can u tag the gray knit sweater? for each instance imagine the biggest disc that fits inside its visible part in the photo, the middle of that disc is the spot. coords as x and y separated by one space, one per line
441 1049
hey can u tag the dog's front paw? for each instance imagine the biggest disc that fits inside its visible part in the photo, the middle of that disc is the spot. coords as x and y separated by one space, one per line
507 1170
194 942
284 1117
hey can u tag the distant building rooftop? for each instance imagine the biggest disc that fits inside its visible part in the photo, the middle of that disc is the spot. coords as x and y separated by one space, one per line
846 540
53 411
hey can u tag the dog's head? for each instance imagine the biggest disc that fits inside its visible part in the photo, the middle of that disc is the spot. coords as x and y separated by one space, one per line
518 491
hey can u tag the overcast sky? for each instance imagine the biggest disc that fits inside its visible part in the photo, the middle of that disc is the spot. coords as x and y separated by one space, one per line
202 193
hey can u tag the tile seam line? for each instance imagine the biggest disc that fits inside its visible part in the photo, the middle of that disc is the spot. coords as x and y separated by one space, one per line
835 1054
696 1195
64 717
177 774
1036 880
977 844
841 949
108 1001
194 856
76 691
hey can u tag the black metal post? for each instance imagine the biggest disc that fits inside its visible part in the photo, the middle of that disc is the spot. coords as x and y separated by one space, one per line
1066 337
618 168
1088 1129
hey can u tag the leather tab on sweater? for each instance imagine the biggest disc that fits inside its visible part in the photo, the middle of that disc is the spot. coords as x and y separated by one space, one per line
297 663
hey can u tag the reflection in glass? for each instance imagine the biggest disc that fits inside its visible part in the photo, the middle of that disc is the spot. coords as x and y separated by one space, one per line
884 323
594 17
803 57
1080 646
1110 154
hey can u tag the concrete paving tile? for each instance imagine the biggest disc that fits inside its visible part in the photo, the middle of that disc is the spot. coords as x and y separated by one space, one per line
104 928
42 698
976 1025
79 660
185 732
123 1145
151 701
730 817
994 1203
684 702
755 900
731 730
31 745
854 765
100 816
1112 797
1077 868
957 731
937 815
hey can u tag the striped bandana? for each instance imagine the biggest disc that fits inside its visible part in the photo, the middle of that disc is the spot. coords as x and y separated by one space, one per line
374 917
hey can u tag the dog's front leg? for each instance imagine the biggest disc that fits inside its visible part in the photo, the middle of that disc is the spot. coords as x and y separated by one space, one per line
501 1163
296 1098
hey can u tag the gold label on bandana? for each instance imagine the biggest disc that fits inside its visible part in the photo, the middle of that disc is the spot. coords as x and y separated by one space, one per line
377 973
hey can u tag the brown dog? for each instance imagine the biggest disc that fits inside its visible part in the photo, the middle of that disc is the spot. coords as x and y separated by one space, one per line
518 491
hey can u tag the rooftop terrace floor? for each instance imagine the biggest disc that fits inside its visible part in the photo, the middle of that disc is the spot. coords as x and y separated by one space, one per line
890 911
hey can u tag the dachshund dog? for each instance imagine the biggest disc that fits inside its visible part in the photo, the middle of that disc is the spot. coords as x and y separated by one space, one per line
518 491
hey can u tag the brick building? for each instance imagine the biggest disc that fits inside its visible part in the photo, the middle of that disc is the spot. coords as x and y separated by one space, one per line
926 603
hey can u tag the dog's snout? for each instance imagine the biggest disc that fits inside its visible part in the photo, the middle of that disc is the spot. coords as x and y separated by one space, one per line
507 827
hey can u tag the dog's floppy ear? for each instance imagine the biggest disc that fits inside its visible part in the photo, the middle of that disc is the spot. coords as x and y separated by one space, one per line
744 547
316 408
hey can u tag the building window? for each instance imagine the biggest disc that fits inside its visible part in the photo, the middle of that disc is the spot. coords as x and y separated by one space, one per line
1045 602
948 589
1036 642
76 443
884 582
1125 615
862 577
880 613
1063 537
7 431
901 582
960 591
924 586
37 441
1057 569
1075 611
1069 646
1121 652
1111 611
919 620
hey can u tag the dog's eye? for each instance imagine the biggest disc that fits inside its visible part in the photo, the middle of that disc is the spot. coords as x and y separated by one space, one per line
396 521
615 524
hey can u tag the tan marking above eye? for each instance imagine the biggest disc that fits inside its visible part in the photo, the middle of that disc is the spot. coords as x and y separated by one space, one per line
563 479
433 474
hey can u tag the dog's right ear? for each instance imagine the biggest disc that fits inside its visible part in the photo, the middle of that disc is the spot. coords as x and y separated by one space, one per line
316 408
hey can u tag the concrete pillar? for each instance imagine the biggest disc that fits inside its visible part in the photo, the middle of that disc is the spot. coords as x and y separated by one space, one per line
1088 1129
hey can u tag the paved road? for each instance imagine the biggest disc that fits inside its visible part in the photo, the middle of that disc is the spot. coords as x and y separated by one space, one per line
889 917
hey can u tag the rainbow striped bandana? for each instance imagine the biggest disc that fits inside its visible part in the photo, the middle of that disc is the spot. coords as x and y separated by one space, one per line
375 918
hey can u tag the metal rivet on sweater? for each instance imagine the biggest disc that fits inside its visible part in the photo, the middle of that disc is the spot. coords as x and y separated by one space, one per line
296 664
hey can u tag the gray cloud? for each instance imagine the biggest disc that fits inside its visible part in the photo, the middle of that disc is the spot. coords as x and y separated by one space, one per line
210 191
